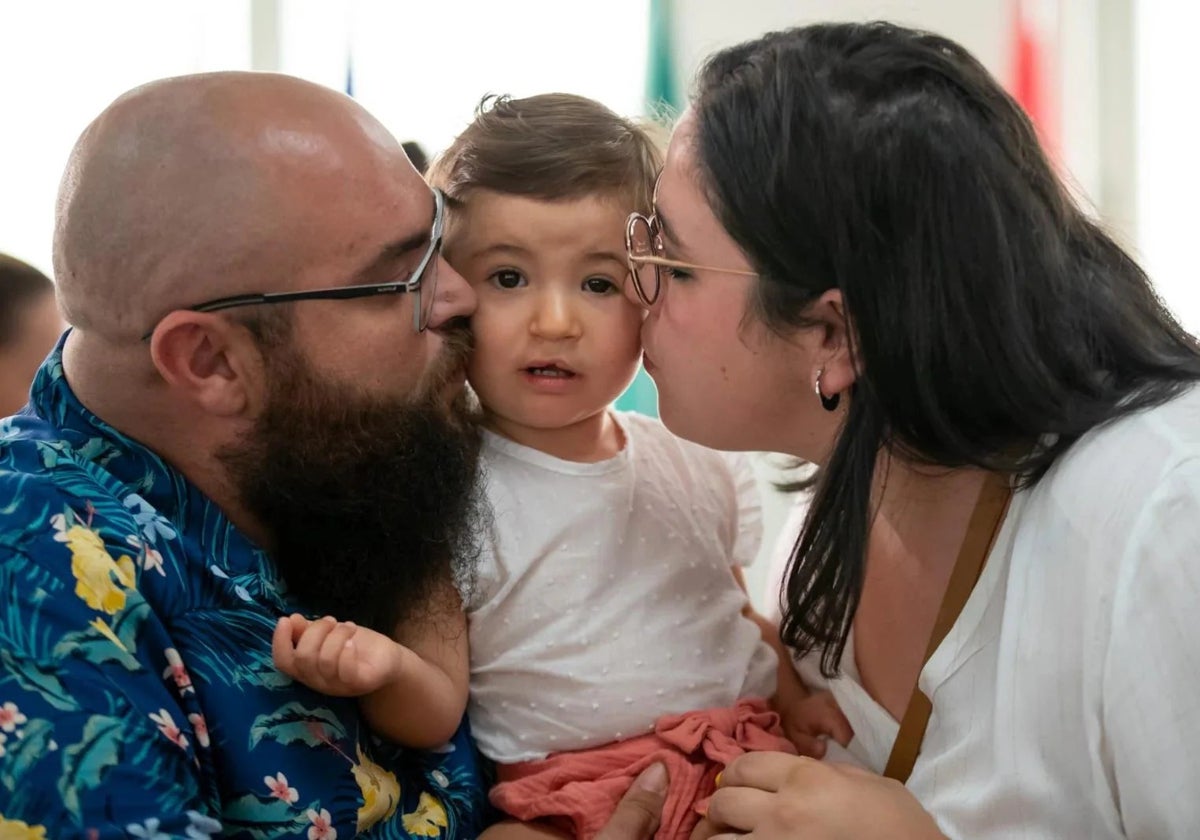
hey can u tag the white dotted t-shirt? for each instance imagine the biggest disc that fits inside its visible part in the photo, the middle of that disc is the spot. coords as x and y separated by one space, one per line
605 598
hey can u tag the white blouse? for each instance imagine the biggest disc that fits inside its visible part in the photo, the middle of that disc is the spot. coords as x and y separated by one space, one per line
1066 698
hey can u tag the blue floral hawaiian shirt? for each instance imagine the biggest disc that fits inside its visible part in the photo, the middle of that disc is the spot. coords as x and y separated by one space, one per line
137 692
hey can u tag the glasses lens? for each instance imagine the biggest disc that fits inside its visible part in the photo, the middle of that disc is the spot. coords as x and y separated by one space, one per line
639 241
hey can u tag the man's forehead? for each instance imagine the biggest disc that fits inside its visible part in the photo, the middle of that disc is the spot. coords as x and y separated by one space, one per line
405 236
415 217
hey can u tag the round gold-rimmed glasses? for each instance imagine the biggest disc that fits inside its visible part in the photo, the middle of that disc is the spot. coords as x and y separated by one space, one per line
644 251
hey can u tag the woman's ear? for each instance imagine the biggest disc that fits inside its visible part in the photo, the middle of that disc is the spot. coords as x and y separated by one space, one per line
834 362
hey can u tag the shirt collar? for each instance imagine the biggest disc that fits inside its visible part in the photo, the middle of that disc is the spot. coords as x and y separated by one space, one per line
148 482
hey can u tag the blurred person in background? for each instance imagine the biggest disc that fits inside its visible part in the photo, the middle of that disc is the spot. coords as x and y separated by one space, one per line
29 326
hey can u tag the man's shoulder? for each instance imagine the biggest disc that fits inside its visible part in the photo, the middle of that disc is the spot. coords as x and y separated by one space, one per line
33 450
49 484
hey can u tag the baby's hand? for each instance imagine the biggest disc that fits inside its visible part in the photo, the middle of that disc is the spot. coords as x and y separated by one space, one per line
336 658
810 719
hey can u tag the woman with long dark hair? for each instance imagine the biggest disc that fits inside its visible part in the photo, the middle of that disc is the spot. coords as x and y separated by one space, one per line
861 257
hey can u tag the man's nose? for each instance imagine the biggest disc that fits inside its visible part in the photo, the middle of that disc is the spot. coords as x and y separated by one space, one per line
454 297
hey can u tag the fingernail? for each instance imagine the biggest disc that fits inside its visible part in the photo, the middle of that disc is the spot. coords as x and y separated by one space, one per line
653 779
717 781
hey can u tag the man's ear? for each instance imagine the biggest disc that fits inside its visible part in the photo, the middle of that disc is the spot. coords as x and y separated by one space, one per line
833 361
209 360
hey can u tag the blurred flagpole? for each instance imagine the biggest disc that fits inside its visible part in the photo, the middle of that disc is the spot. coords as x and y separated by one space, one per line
349 85
662 95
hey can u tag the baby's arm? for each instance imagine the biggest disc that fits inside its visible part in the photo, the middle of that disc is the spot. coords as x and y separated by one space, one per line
789 689
423 704
512 830
807 718
413 691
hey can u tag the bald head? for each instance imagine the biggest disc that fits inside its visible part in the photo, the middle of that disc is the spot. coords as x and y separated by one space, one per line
196 187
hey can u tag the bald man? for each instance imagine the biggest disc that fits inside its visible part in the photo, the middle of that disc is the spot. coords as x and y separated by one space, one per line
258 411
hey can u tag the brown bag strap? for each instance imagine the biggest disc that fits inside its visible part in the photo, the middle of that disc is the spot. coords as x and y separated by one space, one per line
976 545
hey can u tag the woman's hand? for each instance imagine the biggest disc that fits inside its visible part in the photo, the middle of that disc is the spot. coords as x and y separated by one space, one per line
774 795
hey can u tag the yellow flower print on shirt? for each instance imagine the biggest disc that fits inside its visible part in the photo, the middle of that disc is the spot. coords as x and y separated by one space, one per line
95 570
380 790
17 830
428 820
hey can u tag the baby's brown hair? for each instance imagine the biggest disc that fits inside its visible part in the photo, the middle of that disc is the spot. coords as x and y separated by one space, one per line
550 147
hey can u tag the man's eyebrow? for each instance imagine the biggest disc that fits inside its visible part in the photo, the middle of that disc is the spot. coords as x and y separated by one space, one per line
391 253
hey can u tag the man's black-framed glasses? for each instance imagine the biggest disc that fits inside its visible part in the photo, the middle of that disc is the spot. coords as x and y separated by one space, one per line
422 287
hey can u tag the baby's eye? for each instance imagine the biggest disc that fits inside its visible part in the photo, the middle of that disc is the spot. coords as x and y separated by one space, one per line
599 285
507 278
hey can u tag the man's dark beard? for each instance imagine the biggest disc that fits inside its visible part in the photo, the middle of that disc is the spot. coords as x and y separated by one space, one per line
374 504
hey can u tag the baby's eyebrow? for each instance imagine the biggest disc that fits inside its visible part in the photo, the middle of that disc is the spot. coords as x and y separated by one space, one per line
499 248
616 256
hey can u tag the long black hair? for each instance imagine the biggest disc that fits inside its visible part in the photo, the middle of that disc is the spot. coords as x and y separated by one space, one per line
993 323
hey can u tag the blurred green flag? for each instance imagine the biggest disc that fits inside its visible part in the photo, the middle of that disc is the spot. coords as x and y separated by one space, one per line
662 95
661 90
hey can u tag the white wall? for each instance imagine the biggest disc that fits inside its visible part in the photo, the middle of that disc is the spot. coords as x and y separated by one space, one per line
1092 78
62 62
707 25
1167 128
421 68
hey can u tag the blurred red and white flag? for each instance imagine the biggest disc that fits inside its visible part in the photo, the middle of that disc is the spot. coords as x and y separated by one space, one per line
1035 70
